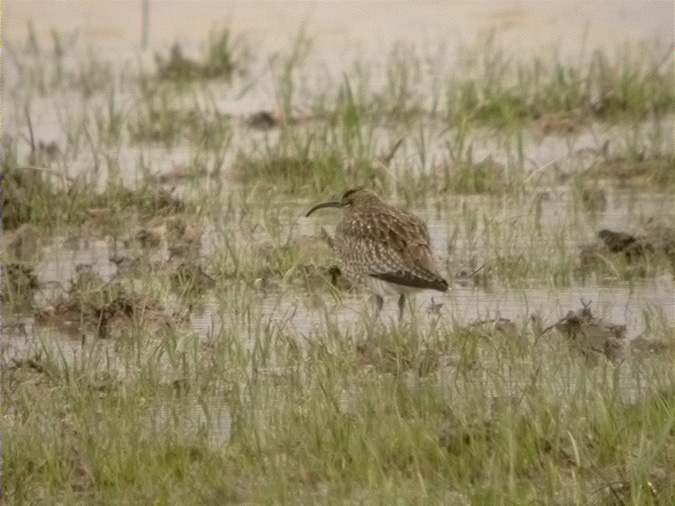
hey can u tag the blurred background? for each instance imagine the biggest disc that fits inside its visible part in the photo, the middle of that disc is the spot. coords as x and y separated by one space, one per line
339 30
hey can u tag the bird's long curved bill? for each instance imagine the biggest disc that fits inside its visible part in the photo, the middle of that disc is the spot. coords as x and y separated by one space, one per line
332 203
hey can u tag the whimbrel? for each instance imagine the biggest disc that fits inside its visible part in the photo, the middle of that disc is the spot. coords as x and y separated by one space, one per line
383 248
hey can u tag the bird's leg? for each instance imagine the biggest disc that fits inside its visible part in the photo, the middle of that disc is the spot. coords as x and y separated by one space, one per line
401 306
379 304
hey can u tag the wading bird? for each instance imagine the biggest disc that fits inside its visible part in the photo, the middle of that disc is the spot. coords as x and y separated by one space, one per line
383 248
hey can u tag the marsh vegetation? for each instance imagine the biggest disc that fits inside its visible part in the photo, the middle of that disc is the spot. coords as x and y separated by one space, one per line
175 332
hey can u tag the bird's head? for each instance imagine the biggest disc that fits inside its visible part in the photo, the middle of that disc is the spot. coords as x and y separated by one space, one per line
354 198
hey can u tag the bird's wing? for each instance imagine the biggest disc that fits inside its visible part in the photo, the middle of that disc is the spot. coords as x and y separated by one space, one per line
394 247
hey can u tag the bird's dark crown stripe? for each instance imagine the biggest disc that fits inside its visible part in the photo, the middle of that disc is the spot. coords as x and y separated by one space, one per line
351 192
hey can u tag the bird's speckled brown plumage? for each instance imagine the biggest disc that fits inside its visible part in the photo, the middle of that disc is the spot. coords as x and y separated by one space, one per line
383 247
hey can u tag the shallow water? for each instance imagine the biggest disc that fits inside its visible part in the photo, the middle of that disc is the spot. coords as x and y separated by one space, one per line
209 421
620 302
340 35
338 40
337 31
